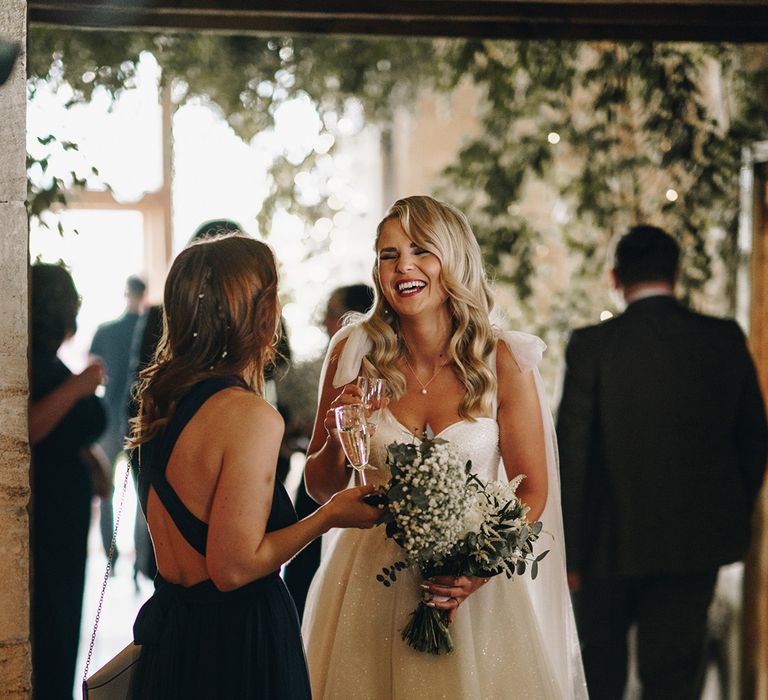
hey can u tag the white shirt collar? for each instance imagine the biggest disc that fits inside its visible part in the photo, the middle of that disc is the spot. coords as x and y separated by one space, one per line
646 292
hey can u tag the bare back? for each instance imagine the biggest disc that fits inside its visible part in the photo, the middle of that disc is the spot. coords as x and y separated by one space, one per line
193 471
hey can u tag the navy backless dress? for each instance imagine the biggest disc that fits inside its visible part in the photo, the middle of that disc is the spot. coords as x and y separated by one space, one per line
198 642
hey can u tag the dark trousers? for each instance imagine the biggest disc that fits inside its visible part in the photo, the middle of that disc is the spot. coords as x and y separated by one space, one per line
671 617
107 518
112 444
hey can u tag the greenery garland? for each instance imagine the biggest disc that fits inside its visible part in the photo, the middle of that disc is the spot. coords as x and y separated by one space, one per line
644 132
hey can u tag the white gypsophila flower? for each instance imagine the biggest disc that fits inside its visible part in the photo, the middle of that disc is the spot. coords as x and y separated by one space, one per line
433 521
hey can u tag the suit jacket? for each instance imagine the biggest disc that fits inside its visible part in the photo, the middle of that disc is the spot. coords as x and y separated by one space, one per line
662 437
112 343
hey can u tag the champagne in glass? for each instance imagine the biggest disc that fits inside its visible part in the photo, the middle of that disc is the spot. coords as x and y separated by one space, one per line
373 390
352 424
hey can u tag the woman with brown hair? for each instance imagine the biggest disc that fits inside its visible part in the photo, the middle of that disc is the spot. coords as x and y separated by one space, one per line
221 623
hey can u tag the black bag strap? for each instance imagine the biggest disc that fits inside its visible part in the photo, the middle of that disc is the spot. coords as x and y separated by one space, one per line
110 560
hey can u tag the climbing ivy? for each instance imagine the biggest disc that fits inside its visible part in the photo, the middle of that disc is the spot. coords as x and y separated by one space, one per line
598 135
640 132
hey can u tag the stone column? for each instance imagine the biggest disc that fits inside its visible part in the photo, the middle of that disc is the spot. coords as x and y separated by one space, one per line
15 658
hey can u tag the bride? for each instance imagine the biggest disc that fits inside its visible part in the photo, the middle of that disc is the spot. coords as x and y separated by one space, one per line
447 369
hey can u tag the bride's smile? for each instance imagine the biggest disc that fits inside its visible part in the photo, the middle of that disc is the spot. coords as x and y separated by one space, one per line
409 288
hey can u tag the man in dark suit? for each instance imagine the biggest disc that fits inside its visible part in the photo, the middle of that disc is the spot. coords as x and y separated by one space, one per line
663 441
111 343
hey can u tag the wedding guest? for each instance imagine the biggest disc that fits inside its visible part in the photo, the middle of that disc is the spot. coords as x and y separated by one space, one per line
143 346
146 336
662 436
65 418
111 344
430 337
356 299
221 623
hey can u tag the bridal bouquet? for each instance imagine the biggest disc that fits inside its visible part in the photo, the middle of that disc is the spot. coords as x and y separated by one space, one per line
450 523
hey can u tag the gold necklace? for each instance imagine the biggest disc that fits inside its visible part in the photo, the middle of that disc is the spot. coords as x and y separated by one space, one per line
416 377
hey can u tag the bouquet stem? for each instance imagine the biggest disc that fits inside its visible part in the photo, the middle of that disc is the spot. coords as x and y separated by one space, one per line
427 630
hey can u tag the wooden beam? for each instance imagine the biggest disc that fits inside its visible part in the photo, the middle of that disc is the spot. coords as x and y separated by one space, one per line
702 20
755 627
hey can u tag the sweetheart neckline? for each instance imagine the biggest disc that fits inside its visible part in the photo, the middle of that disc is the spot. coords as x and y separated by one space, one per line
447 427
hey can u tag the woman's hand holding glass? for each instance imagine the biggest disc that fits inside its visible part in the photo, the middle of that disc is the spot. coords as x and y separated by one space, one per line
374 397
349 395
352 418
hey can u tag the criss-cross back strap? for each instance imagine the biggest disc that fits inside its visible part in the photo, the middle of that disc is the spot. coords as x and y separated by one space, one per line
192 529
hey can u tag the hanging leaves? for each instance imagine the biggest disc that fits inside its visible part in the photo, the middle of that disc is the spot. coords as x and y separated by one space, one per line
614 134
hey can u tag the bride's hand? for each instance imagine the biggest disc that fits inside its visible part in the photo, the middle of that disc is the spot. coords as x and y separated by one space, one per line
456 590
350 394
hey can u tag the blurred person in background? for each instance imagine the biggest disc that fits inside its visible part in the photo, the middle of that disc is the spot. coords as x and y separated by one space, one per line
112 345
351 299
354 298
65 418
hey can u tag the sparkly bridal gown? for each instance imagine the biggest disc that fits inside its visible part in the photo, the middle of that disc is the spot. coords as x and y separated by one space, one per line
514 638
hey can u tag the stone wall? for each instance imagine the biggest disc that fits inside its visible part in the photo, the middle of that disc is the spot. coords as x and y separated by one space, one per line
15 660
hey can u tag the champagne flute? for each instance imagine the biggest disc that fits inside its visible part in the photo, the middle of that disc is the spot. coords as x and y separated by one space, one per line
354 436
373 390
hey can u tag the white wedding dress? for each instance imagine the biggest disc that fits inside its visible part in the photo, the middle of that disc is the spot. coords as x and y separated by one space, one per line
513 638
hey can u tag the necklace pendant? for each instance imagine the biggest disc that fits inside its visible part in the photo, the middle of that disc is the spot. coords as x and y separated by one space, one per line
423 391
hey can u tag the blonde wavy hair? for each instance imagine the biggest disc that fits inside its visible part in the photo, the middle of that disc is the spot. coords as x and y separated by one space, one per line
443 230
220 318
